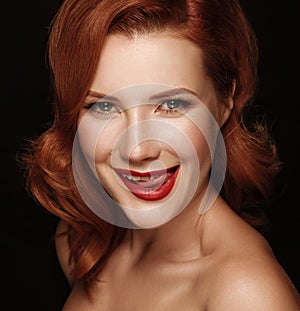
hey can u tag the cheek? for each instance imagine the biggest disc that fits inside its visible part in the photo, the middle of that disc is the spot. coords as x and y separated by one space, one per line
198 140
106 143
200 144
97 139
203 131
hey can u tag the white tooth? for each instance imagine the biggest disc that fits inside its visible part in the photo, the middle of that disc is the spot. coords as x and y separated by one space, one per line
140 178
135 178
129 177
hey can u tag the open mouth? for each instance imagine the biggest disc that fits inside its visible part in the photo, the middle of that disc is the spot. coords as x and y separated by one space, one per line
151 186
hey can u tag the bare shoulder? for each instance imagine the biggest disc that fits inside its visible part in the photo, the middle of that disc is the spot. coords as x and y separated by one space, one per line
246 275
63 250
253 284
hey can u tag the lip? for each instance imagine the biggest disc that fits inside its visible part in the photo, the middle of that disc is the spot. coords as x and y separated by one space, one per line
151 185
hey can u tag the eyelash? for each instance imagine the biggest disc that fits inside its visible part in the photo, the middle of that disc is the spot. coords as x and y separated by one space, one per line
178 104
181 105
94 107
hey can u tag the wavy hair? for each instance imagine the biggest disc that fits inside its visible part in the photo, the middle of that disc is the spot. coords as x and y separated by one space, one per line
222 31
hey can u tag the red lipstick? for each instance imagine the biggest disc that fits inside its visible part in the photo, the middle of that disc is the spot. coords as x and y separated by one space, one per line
150 186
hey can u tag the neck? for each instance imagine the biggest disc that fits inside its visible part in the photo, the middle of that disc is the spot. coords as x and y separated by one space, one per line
179 239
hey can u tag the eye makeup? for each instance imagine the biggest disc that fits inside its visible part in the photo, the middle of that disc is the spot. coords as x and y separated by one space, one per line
170 103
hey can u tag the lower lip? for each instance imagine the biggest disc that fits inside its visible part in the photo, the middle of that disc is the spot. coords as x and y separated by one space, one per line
149 194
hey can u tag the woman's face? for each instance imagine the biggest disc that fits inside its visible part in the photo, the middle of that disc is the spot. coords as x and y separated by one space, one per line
145 128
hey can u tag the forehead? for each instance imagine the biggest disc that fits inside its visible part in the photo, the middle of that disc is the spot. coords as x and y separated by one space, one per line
152 58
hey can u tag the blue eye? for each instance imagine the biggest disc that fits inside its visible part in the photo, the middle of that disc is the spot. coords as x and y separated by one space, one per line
103 106
103 109
173 106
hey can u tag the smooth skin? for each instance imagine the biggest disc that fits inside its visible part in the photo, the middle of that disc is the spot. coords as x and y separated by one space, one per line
214 261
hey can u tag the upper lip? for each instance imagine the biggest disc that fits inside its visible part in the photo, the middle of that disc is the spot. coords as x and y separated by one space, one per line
144 174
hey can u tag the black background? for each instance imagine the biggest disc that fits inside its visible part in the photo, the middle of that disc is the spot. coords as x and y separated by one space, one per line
32 277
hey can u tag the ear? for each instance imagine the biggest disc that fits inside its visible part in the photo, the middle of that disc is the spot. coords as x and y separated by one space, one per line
230 101
227 106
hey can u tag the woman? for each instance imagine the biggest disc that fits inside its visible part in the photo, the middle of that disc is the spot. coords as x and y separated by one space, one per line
149 102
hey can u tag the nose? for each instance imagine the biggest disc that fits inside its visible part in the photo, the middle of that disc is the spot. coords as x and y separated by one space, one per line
137 143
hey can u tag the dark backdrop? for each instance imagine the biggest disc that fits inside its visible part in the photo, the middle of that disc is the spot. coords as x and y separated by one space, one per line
32 277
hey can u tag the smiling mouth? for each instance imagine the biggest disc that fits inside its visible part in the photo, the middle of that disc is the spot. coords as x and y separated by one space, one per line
150 186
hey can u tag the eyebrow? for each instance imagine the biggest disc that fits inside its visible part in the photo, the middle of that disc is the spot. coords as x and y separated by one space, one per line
173 92
154 97
101 95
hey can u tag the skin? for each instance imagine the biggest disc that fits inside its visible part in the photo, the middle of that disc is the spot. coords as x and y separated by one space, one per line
139 61
214 261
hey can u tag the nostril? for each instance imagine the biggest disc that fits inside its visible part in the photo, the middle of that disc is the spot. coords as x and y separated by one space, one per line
139 142
144 151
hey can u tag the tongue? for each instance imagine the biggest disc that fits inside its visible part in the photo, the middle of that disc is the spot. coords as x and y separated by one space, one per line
154 182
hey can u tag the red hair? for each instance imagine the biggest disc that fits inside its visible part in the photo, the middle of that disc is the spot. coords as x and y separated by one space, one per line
221 30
